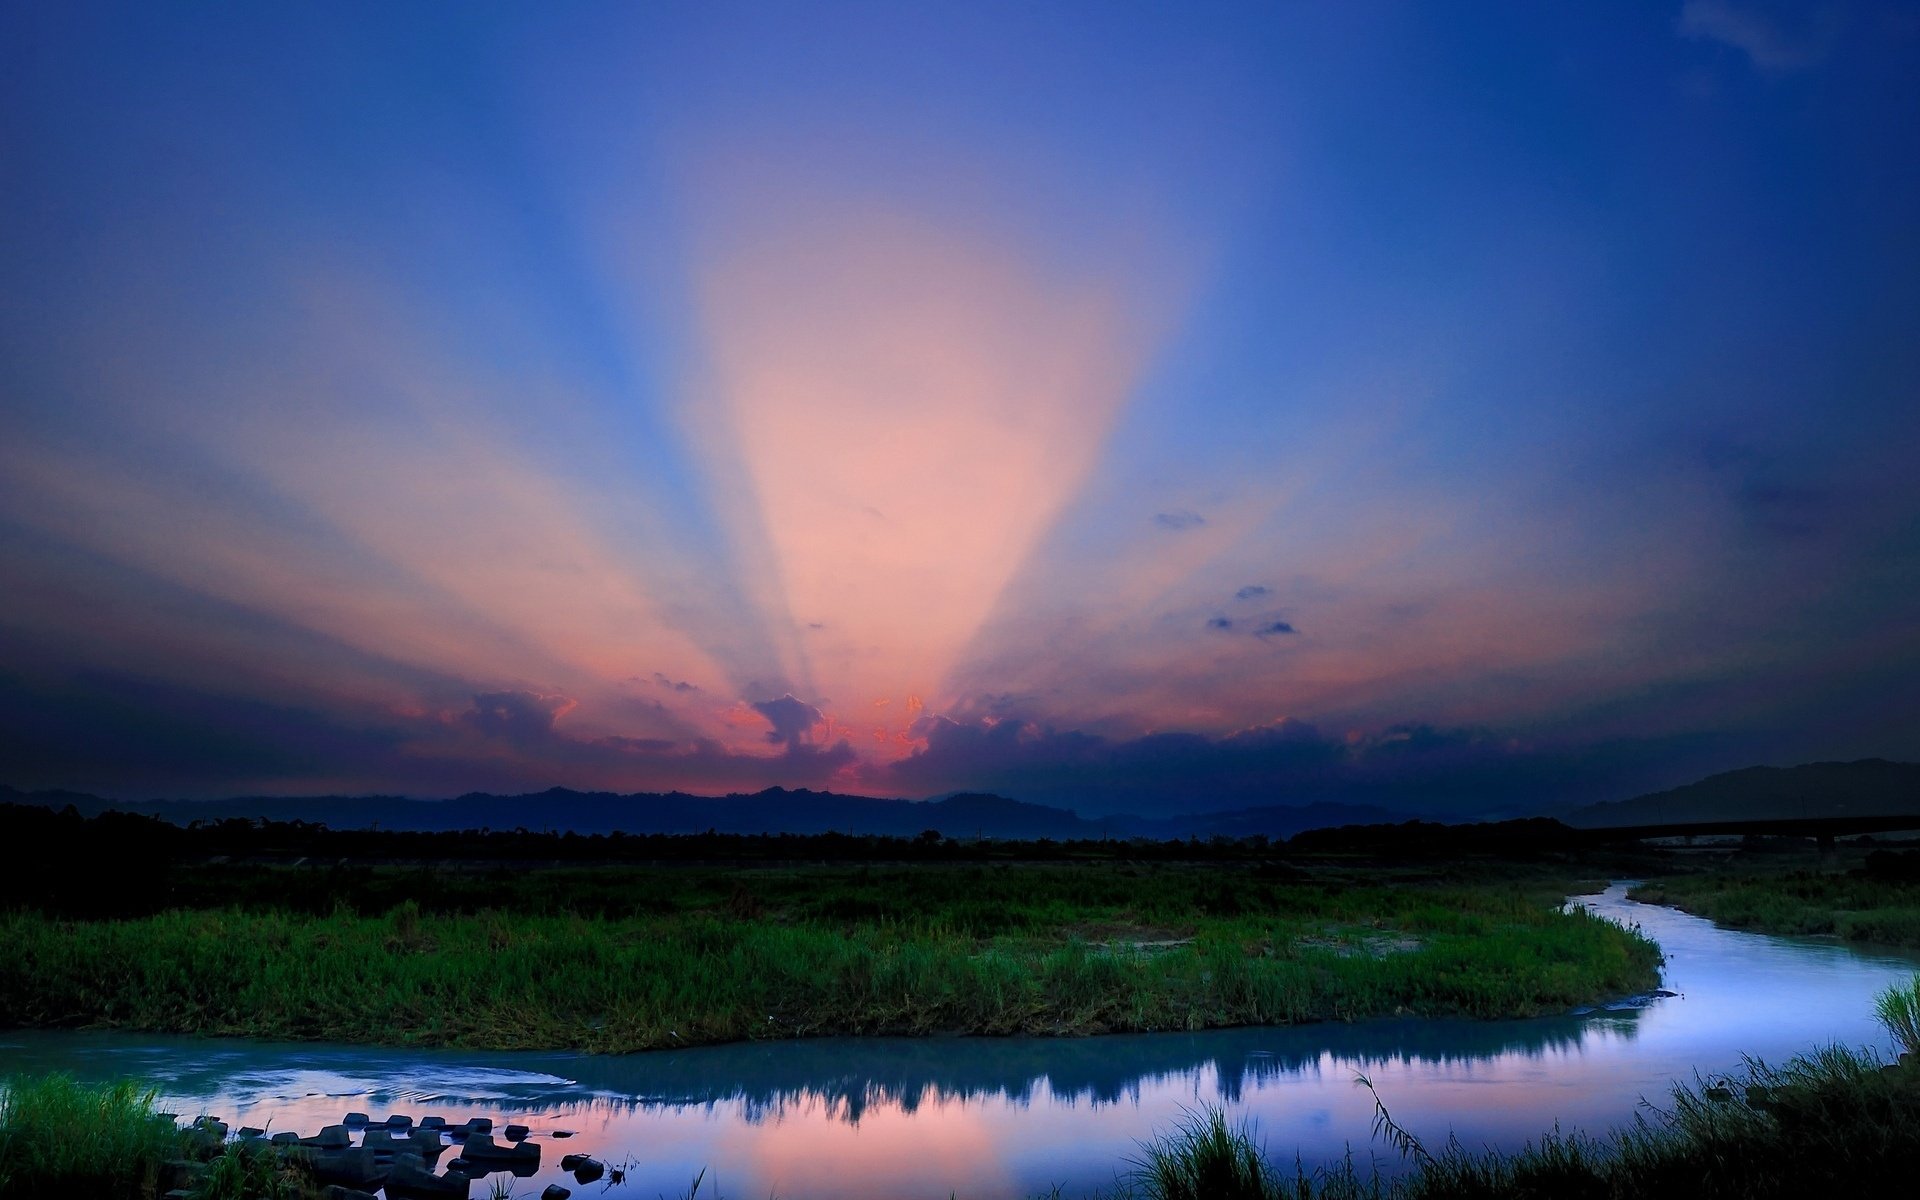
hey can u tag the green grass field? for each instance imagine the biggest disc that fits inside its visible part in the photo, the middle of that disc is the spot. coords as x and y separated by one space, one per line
1843 902
630 960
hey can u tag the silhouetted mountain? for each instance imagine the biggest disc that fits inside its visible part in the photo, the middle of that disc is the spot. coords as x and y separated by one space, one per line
775 810
1870 787
1274 821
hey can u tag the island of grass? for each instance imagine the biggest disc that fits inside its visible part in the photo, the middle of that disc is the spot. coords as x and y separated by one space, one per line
614 959
1861 894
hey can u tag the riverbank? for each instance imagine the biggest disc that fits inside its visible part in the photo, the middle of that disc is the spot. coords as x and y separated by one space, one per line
621 961
1865 897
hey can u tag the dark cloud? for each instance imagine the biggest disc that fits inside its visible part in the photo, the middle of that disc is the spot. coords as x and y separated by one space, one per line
1274 628
675 685
1219 623
517 716
792 719
1411 768
1253 591
1178 520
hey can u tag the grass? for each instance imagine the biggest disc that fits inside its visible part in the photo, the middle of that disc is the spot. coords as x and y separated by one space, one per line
254 1173
1899 1010
663 959
1831 1123
61 1139
1849 904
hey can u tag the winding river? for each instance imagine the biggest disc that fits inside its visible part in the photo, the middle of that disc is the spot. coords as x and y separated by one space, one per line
986 1118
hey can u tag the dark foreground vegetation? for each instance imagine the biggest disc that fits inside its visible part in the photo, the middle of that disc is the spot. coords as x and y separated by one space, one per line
632 956
1868 896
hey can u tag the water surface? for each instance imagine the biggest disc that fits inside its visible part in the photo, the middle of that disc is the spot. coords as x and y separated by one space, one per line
1012 1117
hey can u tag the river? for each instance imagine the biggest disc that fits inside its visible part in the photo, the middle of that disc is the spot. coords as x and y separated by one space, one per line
989 1118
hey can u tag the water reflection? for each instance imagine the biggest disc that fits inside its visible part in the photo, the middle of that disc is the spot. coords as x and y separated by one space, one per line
1012 1117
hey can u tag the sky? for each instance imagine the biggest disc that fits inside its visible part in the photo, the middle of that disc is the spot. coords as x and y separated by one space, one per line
1134 407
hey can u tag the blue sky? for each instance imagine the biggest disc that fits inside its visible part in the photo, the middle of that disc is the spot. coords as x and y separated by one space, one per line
1126 406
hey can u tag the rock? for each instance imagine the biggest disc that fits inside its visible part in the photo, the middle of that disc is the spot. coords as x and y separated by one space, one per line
355 1167
462 1166
588 1170
248 1131
426 1143
480 1124
357 1118
333 1137
285 1139
398 1121
334 1191
409 1182
569 1162
515 1133
433 1122
481 1148
180 1173
561 1133
377 1138
1718 1095
555 1192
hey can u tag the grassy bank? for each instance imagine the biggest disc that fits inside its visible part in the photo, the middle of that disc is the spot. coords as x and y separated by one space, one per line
1864 900
58 1138
630 961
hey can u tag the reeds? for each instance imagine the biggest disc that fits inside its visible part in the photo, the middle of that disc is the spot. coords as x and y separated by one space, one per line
1898 1008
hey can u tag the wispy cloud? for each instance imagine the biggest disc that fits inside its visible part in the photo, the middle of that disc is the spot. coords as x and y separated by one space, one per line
1773 42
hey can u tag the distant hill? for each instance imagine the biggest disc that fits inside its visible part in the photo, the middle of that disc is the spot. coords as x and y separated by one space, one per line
775 810
1868 788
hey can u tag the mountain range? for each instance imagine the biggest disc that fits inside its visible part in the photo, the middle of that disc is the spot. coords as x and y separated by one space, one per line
775 810
1870 787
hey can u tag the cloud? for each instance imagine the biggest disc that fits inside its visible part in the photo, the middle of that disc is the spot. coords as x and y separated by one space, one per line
517 716
1761 36
1414 768
675 685
1220 623
1179 520
1272 628
1253 591
792 719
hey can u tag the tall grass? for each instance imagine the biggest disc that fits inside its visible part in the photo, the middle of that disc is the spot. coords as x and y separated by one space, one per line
1899 1010
1204 1159
1025 950
254 1173
59 1138
1830 1123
